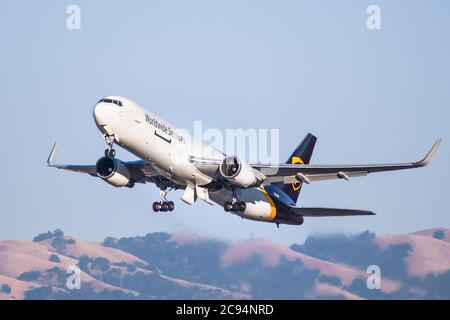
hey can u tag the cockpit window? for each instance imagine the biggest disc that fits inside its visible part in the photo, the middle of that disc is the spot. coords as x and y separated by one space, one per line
116 102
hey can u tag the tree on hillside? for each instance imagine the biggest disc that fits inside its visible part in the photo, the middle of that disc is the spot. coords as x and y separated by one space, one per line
5 288
54 258
101 264
29 276
439 234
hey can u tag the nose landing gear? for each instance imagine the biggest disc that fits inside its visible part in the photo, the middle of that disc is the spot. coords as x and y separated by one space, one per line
110 152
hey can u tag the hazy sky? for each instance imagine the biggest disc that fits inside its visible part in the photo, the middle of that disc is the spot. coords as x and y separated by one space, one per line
300 66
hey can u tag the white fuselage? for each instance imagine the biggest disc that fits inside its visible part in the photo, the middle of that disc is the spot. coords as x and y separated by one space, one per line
169 151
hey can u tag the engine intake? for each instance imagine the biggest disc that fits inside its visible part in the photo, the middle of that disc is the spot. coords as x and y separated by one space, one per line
114 171
238 172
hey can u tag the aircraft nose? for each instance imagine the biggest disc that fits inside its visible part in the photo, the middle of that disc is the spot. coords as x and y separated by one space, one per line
100 113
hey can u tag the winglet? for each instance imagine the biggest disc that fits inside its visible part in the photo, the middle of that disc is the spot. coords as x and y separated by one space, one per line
52 157
426 161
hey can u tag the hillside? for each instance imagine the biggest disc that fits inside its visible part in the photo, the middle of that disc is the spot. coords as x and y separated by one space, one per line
180 266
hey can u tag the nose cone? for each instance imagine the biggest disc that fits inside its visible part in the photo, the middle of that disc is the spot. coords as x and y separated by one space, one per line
100 114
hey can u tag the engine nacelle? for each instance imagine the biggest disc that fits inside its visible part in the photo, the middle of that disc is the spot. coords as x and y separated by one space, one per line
114 171
238 172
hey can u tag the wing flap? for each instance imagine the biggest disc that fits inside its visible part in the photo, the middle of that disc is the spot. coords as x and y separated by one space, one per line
315 177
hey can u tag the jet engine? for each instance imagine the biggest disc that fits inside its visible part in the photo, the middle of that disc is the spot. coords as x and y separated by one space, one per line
238 172
114 171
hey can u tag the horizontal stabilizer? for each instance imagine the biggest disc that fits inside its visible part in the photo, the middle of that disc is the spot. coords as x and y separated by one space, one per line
329 212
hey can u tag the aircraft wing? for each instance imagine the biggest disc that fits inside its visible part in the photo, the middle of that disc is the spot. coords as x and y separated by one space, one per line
329 212
294 173
140 172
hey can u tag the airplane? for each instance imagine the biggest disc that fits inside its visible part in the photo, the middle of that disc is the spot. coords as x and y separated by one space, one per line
171 159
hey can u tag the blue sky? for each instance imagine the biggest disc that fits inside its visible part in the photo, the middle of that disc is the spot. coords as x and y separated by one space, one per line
300 66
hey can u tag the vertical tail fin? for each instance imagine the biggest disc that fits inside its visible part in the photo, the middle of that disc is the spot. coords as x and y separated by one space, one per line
301 155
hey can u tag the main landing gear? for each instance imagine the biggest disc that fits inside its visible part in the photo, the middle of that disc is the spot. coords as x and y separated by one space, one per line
163 205
235 205
110 152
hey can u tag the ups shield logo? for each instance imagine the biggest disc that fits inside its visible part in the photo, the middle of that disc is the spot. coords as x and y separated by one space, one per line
297 160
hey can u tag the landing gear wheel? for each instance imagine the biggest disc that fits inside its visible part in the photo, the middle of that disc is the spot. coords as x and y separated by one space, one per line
156 206
171 206
228 206
164 207
235 207
110 153
242 206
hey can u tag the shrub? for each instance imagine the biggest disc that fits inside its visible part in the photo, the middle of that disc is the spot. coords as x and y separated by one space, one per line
101 264
58 233
41 293
54 258
29 276
43 236
5 288
439 234
131 268
333 280
83 263
70 241
59 244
